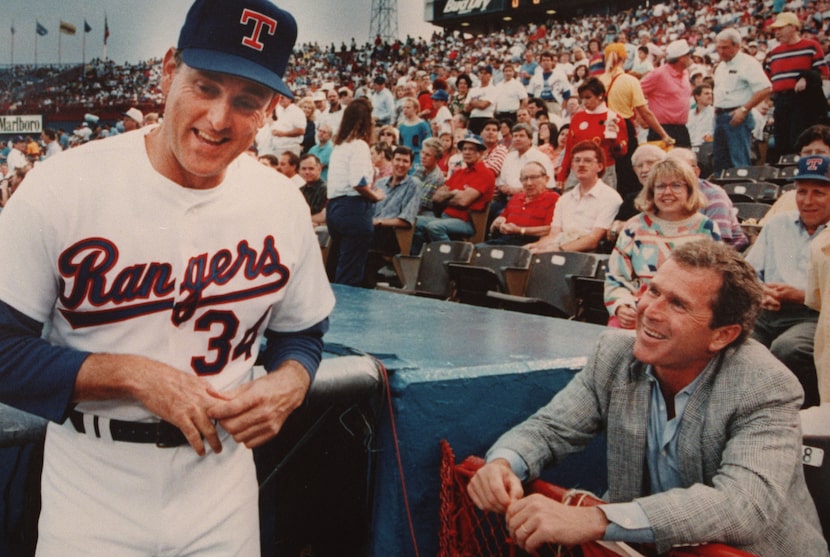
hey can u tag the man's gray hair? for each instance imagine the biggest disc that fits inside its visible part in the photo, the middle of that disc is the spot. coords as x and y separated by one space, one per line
730 34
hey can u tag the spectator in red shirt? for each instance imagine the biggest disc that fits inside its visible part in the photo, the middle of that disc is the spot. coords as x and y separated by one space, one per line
795 67
528 214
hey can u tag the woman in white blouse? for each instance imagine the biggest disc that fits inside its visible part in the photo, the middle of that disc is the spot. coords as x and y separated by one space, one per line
351 197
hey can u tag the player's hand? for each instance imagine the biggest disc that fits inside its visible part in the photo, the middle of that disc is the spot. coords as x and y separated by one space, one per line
173 395
494 487
256 411
537 520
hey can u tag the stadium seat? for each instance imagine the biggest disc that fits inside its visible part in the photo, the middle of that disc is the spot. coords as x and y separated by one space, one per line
785 174
816 460
404 236
486 272
765 192
589 293
751 210
705 156
426 274
479 220
758 173
788 160
549 291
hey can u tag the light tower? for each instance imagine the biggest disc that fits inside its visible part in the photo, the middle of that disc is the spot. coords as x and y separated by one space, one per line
384 20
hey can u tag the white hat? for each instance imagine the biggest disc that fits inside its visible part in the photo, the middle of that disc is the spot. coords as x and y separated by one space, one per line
135 114
318 96
677 49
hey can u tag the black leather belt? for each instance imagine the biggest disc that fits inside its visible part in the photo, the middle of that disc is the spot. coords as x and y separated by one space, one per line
722 110
162 434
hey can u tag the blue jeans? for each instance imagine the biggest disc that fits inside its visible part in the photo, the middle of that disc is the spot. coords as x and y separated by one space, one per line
349 220
733 145
437 229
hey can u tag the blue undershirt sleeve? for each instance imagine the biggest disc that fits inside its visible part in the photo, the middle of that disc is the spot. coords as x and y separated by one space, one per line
304 346
35 376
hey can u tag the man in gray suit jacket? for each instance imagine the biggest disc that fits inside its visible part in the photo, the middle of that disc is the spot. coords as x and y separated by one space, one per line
702 425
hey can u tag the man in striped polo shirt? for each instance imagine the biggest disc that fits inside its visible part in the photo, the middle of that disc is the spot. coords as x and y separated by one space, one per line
796 68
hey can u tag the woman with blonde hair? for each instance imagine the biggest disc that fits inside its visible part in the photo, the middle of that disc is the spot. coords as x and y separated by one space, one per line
413 129
670 204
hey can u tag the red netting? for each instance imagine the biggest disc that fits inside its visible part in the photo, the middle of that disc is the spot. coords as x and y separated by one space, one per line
468 532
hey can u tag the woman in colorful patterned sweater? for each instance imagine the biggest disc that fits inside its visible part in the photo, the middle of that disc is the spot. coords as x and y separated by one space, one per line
670 203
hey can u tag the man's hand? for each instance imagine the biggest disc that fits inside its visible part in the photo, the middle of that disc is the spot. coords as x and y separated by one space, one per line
778 293
256 411
537 520
738 116
495 487
546 244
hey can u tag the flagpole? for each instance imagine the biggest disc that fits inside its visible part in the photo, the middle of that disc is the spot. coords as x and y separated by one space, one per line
36 35
59 46
83 49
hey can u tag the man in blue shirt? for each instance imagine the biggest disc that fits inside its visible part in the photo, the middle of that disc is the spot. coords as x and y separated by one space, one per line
398 209
781 256
702 427
383 102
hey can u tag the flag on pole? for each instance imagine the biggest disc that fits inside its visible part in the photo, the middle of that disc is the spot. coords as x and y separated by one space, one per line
67 28
12 28
40 29
87 28
106 29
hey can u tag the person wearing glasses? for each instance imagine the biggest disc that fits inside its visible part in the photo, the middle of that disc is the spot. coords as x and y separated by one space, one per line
528 214
670 215
586 212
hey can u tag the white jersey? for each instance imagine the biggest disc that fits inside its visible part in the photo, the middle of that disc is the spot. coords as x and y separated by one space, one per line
119 259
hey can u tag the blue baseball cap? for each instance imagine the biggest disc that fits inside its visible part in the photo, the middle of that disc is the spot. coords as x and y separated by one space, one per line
252 39
441 95
813 167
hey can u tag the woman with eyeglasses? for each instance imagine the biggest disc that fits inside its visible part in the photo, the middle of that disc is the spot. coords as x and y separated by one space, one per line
670 204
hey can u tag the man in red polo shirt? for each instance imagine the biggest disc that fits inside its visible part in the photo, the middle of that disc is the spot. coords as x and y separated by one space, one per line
796 68
468 189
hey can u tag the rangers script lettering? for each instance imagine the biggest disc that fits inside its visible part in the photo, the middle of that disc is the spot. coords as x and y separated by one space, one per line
87 275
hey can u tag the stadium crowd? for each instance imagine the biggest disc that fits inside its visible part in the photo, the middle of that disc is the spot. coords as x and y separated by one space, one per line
552 129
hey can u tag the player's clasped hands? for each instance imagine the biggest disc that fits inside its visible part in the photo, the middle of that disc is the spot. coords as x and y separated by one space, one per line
252 413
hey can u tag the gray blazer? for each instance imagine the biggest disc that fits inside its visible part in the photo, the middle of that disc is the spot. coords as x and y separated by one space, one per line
739 448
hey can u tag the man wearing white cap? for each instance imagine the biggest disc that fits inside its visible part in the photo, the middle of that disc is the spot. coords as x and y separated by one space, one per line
668 90
796 68
133 119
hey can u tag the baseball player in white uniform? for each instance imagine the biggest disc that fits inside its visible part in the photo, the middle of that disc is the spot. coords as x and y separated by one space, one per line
159 258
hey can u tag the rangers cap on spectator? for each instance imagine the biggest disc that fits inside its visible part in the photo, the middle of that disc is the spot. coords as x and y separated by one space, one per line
813 167
251 39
